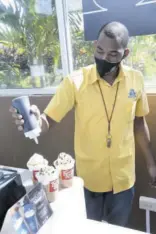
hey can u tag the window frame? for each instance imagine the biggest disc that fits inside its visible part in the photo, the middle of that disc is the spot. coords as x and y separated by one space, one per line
66 57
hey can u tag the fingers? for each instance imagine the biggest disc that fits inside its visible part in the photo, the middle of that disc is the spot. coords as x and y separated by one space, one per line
16 116
34 109
20 128
12 110
19 122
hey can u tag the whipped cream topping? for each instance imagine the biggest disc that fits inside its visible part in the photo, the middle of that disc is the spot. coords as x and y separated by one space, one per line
36 162
47 174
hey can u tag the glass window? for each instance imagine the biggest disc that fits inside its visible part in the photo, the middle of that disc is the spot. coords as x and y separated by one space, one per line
142 48
143 55
29 44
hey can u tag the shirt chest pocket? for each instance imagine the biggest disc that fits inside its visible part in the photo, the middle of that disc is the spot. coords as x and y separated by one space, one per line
89 104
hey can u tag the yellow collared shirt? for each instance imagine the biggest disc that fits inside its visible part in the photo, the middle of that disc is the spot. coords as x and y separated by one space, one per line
103 169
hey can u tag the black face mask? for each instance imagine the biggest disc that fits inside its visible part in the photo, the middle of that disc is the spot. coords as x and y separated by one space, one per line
104 67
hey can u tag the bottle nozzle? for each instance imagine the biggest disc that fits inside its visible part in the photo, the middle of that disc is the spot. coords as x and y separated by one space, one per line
36 140
34 134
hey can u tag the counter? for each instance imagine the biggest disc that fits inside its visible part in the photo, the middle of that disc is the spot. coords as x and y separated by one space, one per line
69 214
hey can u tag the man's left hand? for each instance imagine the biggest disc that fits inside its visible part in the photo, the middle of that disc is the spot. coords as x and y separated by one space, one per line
152 173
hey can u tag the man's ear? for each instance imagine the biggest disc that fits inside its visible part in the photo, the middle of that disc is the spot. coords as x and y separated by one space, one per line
126 53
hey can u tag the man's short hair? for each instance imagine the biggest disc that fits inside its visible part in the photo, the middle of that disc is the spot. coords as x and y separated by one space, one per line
117 31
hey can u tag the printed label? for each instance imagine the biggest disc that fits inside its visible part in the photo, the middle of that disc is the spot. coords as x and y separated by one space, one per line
53 186
34 175
67 174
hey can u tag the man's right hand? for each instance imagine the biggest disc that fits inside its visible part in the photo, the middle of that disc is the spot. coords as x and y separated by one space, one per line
19 121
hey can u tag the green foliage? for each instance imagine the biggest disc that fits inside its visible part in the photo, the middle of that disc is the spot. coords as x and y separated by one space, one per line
26 36
143 55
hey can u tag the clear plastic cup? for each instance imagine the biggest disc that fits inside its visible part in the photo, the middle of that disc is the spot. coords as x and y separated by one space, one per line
66 173
35 164
52 189
50 183
34 170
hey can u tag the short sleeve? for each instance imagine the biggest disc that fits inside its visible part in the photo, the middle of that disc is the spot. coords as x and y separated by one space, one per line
62 102
142 107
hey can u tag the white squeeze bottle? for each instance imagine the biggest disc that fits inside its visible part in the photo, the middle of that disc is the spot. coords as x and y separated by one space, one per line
32 129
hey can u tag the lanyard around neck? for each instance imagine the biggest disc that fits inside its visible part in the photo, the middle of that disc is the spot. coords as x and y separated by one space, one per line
109 119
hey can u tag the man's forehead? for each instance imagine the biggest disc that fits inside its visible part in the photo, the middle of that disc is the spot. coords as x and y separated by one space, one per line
109 43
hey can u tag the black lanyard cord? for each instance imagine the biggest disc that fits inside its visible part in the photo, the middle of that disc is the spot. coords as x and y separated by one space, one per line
109 119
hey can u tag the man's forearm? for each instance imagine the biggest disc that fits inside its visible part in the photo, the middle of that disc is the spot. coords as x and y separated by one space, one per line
142 137
46 123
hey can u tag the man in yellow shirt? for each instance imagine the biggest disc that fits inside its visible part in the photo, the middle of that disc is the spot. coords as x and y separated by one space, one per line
110 105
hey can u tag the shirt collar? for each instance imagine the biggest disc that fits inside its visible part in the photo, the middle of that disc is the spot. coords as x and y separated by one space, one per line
94 76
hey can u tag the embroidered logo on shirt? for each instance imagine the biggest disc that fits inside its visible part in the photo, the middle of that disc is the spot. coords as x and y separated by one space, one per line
132 93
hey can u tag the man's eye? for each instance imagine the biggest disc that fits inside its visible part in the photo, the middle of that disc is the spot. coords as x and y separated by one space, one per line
100 52
113 55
